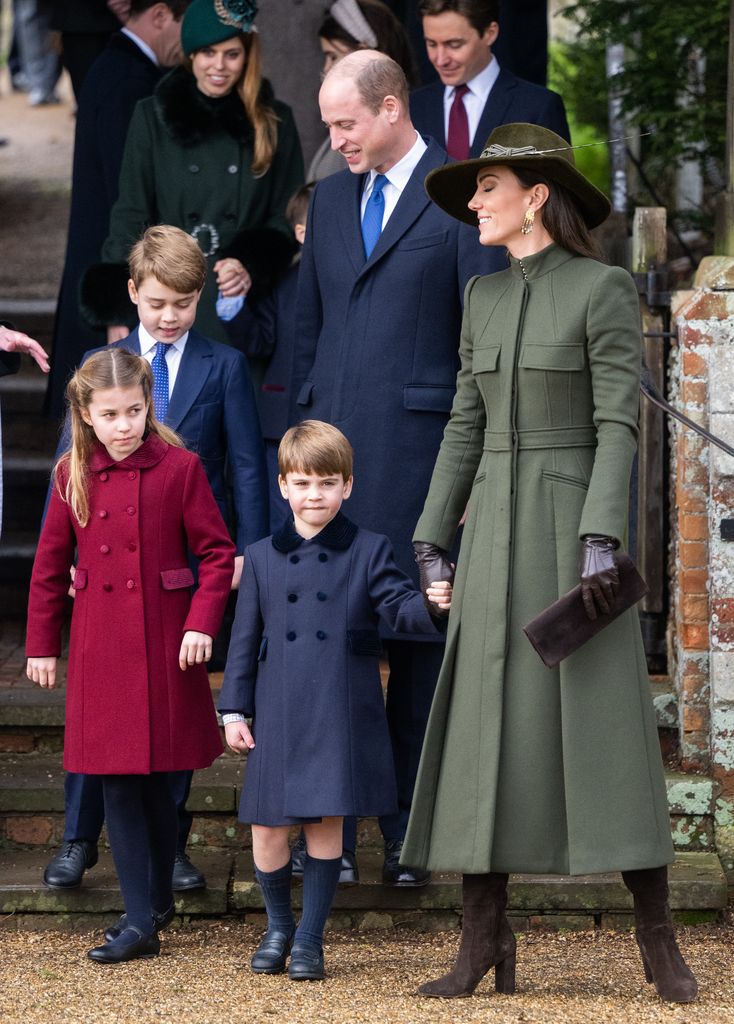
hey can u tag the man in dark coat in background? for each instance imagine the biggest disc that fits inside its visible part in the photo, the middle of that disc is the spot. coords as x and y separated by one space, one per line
85 27
474 94
126 72
377 349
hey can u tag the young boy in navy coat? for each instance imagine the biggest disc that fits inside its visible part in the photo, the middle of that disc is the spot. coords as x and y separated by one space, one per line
303 665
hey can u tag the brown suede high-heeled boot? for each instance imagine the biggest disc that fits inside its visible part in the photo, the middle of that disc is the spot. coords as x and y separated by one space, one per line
486 941
662 961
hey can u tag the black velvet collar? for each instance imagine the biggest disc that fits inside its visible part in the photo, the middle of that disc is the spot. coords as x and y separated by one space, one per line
337 535
191 117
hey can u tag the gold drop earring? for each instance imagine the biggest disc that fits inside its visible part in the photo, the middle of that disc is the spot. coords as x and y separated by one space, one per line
528 221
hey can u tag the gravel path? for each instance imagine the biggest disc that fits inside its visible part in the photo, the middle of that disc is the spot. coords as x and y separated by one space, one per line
202 978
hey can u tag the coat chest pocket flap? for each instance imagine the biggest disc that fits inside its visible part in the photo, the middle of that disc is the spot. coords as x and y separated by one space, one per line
568 358
424 242
177 579
484 360
80 579
364 641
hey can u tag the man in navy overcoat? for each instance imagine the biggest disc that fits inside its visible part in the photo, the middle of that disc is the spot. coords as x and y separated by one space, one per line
459 35
377 350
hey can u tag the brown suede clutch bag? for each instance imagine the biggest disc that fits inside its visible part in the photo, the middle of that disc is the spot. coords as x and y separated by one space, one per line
564 626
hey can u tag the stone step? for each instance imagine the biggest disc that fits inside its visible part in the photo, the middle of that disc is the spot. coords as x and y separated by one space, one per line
698 893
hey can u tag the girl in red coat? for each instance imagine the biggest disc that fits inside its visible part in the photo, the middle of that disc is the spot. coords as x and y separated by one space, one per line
133 503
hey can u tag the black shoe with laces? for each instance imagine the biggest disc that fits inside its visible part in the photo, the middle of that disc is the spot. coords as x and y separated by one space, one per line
65 870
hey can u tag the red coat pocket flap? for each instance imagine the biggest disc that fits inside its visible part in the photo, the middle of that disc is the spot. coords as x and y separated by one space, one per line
80 579
177 579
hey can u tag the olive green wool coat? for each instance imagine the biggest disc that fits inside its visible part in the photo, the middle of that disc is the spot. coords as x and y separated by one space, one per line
526 768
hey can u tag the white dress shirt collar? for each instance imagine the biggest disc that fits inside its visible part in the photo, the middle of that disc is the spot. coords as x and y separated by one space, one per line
475 100
148 342
399 174
147 50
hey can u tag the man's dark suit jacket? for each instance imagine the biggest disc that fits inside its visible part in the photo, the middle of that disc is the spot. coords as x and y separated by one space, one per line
119 77
213 409
510 100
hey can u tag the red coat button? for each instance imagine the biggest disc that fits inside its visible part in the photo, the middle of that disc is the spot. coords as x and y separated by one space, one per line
105 549
107 587
131 510
102 513
103 477
130 584
132 547
131 475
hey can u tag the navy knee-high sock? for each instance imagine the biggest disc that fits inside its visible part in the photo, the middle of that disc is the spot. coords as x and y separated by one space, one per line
127 829
276 890
320 878
162 817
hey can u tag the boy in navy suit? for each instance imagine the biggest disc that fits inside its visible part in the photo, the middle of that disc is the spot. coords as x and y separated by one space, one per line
202 390
303 664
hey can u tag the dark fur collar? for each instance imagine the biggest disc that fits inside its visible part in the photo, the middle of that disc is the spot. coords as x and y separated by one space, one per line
337 535
191 117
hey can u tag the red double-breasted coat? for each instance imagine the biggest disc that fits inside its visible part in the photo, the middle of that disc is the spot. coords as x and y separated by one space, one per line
129 707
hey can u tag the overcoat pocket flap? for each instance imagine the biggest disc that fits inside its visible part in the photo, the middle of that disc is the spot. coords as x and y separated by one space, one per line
428 397
80 579
437 238
364 641
484 360
304 395
552 357
263 652
177 579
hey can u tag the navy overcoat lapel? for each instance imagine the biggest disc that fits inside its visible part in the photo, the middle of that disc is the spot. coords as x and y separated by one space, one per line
348 217
196 365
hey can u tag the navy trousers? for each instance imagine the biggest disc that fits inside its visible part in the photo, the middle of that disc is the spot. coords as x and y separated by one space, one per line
85 806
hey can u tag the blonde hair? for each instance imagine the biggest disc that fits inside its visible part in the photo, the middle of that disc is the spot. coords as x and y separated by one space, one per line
171 256
110 368
315 447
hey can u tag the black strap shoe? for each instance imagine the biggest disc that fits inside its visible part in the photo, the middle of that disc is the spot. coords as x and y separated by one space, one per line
130 944
306 964
65 870
398 875
160 923
272 953
185 875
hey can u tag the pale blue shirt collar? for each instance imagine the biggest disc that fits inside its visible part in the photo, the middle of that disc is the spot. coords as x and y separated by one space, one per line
149 53
399 174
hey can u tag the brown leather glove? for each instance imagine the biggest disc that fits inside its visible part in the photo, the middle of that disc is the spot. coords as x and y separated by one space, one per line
599 574
433 567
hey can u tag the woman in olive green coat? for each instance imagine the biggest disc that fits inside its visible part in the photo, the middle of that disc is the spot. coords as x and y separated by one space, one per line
525 768
212 152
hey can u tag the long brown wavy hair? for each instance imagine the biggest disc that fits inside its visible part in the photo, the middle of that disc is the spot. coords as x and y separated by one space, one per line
561 215
110 368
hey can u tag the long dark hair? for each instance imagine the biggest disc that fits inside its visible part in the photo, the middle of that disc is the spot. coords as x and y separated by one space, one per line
562 218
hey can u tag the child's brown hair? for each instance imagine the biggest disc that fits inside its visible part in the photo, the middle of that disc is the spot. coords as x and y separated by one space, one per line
110 368
315 447
296 212
170 256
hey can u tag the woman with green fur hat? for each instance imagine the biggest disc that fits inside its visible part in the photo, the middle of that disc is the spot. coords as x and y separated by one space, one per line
525 768
212 152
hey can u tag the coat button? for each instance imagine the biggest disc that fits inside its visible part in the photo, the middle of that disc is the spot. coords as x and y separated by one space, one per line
107 587
295 559
103 477
320 596
131 475
105 549
102 513
131 510
323 557
194 168
130 584
320 635
290 636
293 598
132 546
232 169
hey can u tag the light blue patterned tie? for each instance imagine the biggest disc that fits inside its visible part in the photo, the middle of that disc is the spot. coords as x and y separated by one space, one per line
160 381
374 211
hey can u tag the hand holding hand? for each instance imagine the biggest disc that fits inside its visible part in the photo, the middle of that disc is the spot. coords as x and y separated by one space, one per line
599 574
16 341
232 277
238 737
195 649
433 567
439 595
42 671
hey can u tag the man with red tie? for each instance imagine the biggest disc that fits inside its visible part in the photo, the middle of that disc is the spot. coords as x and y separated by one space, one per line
474 95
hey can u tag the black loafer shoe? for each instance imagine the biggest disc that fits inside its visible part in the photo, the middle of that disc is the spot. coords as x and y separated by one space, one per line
272 953
130 944
306 964
65 870
349 874
160 923
396 874
298 856
185 875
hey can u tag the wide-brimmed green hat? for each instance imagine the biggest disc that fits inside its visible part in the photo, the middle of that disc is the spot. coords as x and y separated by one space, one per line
207 22
517 145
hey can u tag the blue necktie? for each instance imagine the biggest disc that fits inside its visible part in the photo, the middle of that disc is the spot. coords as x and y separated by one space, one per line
374 211
160 381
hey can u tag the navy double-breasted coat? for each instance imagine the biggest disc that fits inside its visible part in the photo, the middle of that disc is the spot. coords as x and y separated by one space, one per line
303 663
130 709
